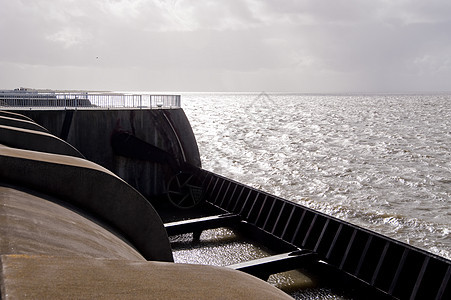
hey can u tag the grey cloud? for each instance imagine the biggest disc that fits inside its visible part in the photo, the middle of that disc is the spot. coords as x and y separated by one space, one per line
294 45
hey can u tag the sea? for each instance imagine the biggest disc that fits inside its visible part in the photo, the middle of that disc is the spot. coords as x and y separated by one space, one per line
380 161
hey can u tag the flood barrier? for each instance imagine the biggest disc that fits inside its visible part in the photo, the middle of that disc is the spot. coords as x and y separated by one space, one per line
396 268
86 100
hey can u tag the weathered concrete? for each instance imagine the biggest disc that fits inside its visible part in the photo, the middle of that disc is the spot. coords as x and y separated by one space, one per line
20 123
35 224
38 277
36 141
9 114
92 189
66 224
90 132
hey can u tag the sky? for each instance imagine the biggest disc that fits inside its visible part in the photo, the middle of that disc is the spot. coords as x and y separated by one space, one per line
306 46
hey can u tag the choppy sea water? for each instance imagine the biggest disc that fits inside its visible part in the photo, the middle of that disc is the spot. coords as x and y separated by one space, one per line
382 162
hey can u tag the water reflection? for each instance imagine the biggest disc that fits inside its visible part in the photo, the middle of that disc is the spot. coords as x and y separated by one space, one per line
223 247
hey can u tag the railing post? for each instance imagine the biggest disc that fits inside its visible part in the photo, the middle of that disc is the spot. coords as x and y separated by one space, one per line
75 100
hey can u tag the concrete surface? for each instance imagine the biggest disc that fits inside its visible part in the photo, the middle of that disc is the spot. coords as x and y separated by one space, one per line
36 141
21 123
9 114
72 229
33 223
90 132
92 189
40 277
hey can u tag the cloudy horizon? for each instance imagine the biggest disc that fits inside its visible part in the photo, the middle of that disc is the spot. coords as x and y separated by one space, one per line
229 46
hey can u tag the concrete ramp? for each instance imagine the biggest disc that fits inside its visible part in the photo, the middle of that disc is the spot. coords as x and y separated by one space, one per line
38 277
35 224
72 229
93 190
21 123
35 140
9 114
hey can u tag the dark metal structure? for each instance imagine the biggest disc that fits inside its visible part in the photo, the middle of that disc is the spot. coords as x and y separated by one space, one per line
395 269
300 235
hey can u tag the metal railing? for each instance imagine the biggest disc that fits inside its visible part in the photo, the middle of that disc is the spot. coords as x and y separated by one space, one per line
85 100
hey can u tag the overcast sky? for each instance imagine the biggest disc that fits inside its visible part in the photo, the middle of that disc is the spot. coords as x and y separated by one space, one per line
322 46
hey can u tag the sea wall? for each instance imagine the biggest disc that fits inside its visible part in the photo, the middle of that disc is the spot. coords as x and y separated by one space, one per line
70 228
91 131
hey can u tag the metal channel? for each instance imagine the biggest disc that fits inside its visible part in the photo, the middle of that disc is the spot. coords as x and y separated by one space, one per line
396 268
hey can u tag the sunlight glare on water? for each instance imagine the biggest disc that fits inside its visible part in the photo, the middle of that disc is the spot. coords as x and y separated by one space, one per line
380 161
222 247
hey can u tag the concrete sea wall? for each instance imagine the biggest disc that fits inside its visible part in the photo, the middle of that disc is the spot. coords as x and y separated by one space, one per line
71 229
91 131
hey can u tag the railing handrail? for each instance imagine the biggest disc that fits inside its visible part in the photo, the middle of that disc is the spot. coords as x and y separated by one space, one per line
86 100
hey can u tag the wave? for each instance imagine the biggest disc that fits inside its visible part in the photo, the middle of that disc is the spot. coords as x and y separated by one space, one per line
380 161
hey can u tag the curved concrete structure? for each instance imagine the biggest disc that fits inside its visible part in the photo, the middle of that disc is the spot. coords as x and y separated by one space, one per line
70 228
21 123
9 114
90 132
92 189
39 277
35 224
36 141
